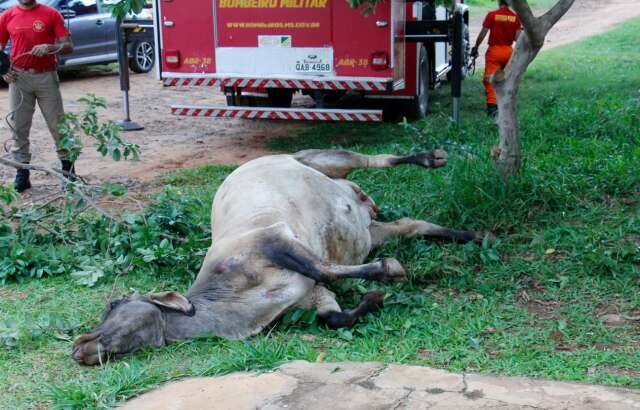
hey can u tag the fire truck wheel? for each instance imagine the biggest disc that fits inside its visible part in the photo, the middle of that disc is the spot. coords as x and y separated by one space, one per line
280 98
418 106
142 56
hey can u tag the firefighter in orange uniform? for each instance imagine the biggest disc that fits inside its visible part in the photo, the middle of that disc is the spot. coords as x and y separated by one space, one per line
504 28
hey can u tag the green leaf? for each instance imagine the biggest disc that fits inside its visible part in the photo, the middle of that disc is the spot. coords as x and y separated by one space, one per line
114 189
88 277
345 334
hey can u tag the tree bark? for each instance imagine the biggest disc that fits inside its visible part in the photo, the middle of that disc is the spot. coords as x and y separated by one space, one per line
507 154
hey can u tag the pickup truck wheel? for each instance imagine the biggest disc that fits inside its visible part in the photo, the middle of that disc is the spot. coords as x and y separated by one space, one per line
417 107
142 57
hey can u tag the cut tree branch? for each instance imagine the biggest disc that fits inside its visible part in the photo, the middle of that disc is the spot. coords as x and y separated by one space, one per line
87 198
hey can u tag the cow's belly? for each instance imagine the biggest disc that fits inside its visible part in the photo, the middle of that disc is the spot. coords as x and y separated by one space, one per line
323 214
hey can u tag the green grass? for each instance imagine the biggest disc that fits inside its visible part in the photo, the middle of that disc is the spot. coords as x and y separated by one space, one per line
568 251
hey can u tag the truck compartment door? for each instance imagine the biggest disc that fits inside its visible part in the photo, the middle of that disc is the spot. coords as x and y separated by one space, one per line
187 36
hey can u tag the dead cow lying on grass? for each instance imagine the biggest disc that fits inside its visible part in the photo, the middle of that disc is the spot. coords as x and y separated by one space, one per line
283 227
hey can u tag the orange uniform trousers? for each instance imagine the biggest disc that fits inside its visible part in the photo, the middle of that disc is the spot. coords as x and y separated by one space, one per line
496 59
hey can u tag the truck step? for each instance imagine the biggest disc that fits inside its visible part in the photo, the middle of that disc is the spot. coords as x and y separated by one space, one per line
272 113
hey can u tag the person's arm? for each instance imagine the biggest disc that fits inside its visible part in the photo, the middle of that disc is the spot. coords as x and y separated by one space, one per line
517 35
64 45
10 76
481 36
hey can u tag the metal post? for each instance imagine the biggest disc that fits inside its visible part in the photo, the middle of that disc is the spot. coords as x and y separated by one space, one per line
456 62
123 67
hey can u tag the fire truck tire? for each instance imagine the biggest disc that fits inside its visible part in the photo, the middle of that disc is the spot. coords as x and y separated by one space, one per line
280 98
466 48
466 56
418 106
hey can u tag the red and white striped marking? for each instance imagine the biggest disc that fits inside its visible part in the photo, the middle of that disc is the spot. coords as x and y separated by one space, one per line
300 84
308 114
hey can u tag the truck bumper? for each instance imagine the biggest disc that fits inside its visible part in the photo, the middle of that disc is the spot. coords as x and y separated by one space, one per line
296 83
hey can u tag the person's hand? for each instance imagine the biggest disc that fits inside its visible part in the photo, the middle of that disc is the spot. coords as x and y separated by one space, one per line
474 52
41 50
10 77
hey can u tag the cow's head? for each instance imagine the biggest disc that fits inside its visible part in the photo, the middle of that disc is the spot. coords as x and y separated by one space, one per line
128 325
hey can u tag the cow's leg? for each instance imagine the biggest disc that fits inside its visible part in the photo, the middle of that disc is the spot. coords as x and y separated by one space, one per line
288 253
408 227
338 163
330 313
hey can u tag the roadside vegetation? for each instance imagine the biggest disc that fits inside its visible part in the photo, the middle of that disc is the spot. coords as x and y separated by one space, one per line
556 297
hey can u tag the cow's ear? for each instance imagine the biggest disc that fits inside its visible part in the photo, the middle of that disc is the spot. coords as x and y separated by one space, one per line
172 300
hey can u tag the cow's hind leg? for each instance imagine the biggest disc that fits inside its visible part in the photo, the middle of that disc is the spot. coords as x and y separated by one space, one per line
287 252
339 163
330 313
408 227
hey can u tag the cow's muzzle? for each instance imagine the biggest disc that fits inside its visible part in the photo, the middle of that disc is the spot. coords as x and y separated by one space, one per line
88 351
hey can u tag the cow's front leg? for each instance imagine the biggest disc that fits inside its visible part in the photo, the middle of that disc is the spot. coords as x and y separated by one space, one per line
288 253
330 313
371 302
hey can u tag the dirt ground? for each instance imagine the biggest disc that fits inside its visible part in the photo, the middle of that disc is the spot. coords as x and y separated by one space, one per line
169 142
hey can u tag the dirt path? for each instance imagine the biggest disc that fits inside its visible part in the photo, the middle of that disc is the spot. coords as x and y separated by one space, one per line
173 142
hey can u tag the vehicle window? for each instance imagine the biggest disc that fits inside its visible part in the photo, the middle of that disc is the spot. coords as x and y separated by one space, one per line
82 7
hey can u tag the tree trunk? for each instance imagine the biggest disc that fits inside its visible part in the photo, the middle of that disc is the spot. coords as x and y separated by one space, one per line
507 155
506 82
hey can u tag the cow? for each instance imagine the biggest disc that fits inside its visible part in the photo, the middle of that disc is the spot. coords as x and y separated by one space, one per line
284 227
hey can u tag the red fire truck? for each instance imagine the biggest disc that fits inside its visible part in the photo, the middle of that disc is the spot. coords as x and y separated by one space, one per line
261 52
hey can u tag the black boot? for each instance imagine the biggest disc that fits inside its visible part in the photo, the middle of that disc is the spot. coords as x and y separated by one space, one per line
22 182
69 169
492 110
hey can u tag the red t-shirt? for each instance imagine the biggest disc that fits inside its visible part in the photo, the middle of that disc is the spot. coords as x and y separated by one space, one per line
28 28
504 24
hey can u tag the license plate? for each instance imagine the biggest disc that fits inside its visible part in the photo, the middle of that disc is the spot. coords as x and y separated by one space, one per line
305 66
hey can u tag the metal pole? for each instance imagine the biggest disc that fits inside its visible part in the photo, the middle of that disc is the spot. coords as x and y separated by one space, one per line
123 68
456 62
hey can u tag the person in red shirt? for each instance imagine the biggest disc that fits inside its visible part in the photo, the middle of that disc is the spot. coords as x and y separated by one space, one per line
504 27
37 33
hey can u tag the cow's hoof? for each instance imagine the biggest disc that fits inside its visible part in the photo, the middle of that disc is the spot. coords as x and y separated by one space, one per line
430 159
393 271
438 158
373 300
